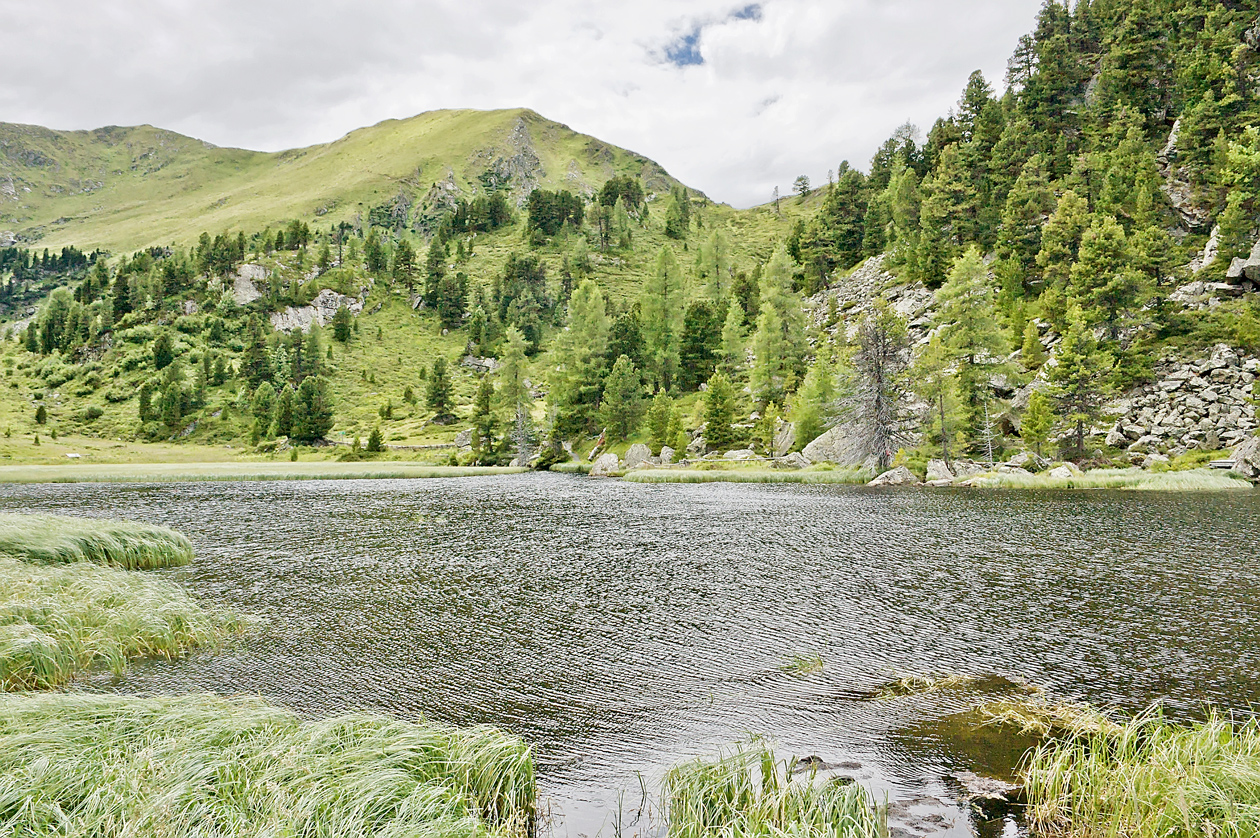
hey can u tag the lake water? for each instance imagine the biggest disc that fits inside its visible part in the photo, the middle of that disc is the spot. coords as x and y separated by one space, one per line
621 627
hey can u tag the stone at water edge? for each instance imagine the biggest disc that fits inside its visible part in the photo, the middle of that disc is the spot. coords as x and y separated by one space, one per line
698 447
968 468
667 455
741 454
1067 471
1153 459
795 461
938 470
638 455
606 466
900 476
1247 459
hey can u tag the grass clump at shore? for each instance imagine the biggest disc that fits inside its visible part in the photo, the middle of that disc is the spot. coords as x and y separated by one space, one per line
240 471
55 539
201 765
750 793
58 620
571 468
803 664
1136 479
1146 778
835 476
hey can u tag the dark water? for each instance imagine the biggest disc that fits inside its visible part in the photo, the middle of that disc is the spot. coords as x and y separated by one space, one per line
621 627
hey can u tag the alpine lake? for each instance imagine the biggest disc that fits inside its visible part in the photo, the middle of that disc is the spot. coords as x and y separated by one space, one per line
621 628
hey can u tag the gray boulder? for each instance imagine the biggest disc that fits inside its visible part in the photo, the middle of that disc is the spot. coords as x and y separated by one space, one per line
794 461
741 454
1247 459
1153 459
899 476
667 455
698 447
938 470
784 438
638 455
1065 472
463 440
969 468
843 445
606 466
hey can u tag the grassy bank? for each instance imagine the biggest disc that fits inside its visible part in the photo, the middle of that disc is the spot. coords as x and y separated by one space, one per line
748 475
750 793
196 766
50 539
58 620
1148 778
196 472
1136 479
571 468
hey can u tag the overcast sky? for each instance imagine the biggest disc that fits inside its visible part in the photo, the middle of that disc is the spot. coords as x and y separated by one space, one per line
732 98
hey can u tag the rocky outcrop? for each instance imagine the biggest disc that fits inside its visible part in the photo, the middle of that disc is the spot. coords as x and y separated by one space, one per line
741 454
606 466
843 445
1203 405
1247 459
1177 186
1246 270
638 455
481 366
244 290
321 311
667 455
900 476
794 461
855 295
784 437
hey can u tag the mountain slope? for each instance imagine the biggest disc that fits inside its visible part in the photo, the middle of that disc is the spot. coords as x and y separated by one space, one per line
122 189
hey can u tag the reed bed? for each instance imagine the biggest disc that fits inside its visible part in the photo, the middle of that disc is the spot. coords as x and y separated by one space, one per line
837 476
750 793
917 684
1134 479
57 539
1149 778
113 766
245 471
58 620
571 468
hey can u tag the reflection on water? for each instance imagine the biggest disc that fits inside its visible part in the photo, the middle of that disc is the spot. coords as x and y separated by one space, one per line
619 627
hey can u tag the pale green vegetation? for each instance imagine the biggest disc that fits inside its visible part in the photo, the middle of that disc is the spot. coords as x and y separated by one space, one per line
915 684
1148 778
58 620
112 766
750 793
1194 480
197 472
50 539
571 468
803 664
750 475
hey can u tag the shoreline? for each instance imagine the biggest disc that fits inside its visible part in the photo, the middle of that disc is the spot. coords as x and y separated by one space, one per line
238 472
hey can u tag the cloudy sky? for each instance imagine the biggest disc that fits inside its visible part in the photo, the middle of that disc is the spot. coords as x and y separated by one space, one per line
733 99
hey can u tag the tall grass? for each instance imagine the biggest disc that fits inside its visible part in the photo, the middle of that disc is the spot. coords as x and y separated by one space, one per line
571 468
51 539
837 476
1149 778
749 793
110 766
57 620
1194 480
199 472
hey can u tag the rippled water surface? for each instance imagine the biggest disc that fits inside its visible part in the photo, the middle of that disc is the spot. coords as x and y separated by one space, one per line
620 627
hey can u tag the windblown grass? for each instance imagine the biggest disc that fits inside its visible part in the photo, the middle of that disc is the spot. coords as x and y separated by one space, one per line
1149 778
571 468
803 664
1136 479
198 472
52 539
110 766
58 620
837 476
906 685
749 793
1044 718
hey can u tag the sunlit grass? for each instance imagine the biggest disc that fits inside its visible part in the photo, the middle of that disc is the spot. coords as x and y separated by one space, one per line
58 620
750 793
735 475
1148 778
571 468
242 471
1194 480
48 539
109 766
803 664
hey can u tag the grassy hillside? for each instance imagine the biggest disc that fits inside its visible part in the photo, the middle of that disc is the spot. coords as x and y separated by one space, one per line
123 189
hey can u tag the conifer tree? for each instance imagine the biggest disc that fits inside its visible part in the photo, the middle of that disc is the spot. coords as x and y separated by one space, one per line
312 410
341 324
374 443
719 413
264 406
662 305
581 355
660 418
731 349
936 386
814 403
438 393
622 407
1037 421
1078 377
876 402
1031 352
483 420
284 411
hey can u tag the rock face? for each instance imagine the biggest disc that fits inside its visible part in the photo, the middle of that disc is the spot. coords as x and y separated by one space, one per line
1195 405
856 294
842 445
1246 269
784 437
606 466
900 476
1247 459
638 455
938 470
321 311
244 291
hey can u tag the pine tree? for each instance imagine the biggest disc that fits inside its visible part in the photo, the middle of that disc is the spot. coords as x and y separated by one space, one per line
438 393
662 305
312 410
341 324
660 418
284 412
41 415
264 407
937 388
483 420
374 443
622 407
877 399
1078 376
1032 353
1037 422
719 413
731 350
163 351
581 355
813 403
779 344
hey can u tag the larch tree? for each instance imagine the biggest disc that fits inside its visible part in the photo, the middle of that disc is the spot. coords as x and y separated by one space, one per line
662 305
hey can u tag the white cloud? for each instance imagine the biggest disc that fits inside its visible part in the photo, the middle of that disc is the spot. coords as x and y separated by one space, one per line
792 89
